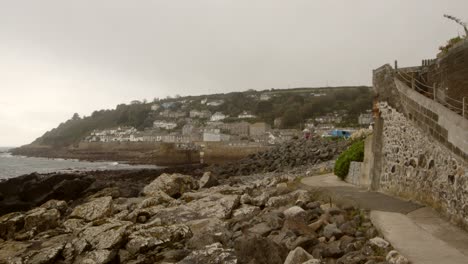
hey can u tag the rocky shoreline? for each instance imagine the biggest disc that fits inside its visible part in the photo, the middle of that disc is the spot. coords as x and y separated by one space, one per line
184 215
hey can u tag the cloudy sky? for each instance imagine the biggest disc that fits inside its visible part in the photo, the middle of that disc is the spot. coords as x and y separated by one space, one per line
60 57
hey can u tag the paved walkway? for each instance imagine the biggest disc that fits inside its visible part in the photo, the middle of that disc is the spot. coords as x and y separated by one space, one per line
417 232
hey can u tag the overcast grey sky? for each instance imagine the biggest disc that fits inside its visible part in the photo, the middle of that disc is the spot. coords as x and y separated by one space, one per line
60 57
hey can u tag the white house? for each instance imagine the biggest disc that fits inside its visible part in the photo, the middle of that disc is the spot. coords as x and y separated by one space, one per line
155 107
365 119
214 135
265 97
245 114
217 116
200 114
168 104
164 124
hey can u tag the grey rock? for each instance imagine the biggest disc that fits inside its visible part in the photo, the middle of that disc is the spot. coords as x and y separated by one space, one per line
172 184
106 236
379 242
215 205
331 230
298 256
295 212
41 219
10 224
394 257
208 180
61 206
147 239
95 209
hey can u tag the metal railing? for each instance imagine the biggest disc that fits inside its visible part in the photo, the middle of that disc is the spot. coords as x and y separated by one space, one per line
458 106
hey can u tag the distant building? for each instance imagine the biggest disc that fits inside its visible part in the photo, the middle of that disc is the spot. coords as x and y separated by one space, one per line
239 128
203 101
134 102
218 116
265 97
119 134
173 114
189 129
246 114
164 124
258 129
365 119
155 107
330 118
200 114
167 105
214 135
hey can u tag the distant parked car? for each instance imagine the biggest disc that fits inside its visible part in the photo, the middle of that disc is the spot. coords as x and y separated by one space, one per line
340 133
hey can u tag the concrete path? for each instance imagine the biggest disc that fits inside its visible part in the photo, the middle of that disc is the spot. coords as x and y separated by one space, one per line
417 232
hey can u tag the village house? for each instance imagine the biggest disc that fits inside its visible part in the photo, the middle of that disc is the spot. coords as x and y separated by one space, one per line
265 97
258 129
246 114
173 114
155 107
365 119
189 129
214 135
200 114
164 124
203 101
239 128
120 134
176 138
330 118
215 103
135 102
218 116
167 105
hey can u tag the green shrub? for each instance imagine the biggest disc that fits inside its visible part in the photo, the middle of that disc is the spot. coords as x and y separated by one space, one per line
354 153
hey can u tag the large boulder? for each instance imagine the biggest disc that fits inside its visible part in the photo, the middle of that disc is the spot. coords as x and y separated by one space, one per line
172 184
216 205
106 236
61 206
208 180
10 224
95 209
41 219
148 239
331 230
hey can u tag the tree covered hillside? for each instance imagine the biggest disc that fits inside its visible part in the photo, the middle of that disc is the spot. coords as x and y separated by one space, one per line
292 105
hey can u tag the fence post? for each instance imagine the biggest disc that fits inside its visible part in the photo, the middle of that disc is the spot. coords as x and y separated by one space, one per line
412 83
434 92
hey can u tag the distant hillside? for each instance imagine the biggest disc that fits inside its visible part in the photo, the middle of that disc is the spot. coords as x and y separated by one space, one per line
292 105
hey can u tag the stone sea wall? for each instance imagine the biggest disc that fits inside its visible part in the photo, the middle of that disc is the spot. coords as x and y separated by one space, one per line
419 149
416 167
